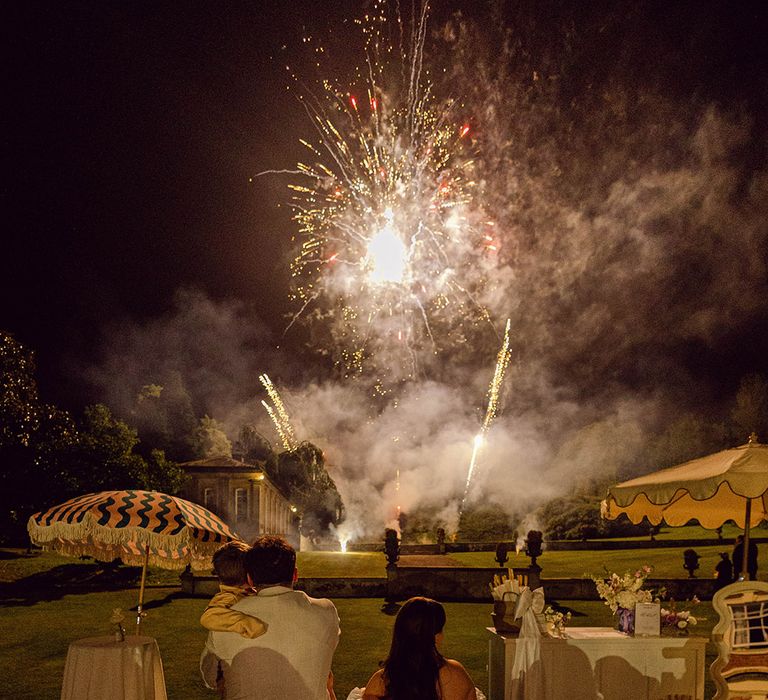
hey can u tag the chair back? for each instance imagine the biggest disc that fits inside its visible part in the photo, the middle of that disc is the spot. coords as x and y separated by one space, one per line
741 638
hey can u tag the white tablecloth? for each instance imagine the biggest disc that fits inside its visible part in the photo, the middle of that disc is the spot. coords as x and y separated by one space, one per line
357 694
99 668
599 662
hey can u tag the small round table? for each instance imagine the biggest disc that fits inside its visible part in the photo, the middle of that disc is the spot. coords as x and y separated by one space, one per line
99 667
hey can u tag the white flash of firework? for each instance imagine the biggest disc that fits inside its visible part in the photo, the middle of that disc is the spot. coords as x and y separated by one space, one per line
278 414
387 254
393 240
494 391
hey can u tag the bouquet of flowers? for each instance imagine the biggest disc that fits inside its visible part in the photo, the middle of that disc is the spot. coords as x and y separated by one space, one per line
557 620
626 590
680 620
117 618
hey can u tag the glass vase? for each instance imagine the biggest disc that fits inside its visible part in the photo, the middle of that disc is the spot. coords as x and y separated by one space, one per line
625 620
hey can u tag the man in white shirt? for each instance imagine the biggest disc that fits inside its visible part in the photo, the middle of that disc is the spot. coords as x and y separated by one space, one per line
292 660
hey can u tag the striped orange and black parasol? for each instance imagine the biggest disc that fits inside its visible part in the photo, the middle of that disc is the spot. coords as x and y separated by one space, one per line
139 527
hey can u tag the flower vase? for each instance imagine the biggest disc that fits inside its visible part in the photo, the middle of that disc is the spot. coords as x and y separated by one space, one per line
625 620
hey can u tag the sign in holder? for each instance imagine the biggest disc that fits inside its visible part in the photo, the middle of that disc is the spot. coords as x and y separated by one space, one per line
647 619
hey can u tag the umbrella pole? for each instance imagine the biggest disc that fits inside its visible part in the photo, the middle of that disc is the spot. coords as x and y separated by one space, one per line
139 610
745 553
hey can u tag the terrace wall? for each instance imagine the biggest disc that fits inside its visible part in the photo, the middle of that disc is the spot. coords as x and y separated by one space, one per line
452 584
206 586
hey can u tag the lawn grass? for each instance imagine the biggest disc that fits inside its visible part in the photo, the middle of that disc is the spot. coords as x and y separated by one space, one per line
40 634
341 565
666 563
695 532
40 618
34 639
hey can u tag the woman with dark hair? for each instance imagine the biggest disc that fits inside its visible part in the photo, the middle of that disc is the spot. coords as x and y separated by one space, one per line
415 669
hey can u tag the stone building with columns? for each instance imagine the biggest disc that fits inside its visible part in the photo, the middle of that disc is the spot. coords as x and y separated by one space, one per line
242 495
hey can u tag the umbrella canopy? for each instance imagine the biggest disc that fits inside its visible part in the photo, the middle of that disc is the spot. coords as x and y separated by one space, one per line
140 527
727 485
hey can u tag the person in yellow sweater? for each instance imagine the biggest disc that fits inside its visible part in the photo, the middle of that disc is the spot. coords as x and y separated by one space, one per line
228 565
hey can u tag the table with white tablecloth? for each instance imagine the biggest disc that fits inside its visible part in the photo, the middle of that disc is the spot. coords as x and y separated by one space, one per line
597 662
98 668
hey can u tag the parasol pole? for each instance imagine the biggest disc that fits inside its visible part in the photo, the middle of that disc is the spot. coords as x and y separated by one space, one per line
139 609
745 553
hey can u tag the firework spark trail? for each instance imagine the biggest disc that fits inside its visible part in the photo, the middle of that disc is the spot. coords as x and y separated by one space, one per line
278 414
397 495
278 426
494 391
392 237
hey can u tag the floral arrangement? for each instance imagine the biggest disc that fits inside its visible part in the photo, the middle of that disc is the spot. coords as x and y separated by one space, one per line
117 618
557 620
626 590
680 620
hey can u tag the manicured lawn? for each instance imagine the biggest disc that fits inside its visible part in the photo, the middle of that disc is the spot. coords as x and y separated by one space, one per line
39 618
666 563
696 532
310 564
341 565
34 639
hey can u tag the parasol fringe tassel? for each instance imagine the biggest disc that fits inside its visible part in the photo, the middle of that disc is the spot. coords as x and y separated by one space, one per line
88 528
198 561
87 537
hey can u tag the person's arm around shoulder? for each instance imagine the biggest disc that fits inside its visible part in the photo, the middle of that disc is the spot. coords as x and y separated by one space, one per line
375 688
219 616
457 684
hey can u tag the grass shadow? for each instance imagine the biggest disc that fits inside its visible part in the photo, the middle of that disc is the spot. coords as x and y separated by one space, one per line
557 607
67 579
390 608
8 554
160 602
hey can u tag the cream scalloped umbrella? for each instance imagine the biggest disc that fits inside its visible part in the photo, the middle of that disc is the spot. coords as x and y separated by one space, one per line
727 485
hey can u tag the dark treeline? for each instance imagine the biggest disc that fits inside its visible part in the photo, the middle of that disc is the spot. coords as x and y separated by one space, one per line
48 454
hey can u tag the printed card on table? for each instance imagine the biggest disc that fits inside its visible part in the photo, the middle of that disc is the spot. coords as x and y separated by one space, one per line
647 619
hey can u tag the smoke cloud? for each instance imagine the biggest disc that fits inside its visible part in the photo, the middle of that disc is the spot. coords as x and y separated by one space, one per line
633 226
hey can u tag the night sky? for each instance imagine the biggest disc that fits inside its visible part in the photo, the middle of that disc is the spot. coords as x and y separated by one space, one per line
131 132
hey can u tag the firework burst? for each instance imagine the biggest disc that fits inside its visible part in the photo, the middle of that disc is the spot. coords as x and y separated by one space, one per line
393 247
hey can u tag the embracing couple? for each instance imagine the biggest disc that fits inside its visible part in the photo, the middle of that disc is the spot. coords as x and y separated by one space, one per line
268 641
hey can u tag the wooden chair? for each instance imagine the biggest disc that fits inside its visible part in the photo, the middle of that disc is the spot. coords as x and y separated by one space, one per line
740 671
